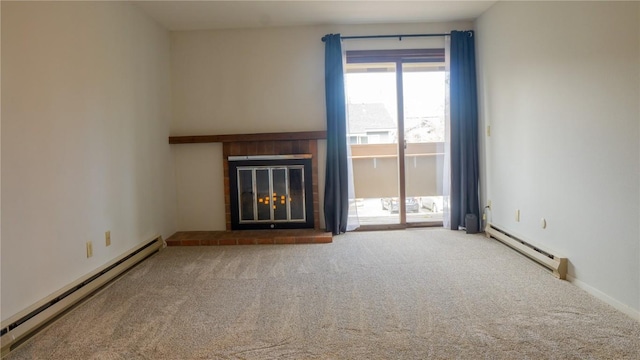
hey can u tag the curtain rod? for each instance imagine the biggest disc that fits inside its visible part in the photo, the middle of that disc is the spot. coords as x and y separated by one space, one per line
399 36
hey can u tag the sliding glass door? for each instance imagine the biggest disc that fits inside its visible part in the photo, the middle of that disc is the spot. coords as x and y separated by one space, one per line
396 133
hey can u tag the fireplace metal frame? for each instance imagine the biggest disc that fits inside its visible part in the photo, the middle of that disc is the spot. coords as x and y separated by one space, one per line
274 162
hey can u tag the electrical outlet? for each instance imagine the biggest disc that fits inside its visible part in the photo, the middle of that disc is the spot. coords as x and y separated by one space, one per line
518 215
489 203
107 238
89 249
488 130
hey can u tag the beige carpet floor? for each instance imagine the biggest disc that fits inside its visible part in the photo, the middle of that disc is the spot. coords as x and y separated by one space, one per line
413 294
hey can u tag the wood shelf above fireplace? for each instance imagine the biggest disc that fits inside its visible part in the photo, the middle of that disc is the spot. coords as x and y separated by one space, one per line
298 135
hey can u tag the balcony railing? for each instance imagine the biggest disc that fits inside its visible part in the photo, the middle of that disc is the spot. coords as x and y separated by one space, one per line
375 168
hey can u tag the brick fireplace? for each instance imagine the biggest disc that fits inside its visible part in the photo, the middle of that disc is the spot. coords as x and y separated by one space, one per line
271 148
252 145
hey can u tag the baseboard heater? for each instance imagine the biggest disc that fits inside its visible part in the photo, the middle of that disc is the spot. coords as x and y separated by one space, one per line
555 263
19 327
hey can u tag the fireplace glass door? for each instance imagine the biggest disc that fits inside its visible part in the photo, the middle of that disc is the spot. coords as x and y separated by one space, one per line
271 194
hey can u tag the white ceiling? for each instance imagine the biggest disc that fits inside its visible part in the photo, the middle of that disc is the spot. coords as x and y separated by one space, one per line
199 15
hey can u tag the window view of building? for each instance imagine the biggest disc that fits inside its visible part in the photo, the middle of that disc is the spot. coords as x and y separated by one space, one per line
370 123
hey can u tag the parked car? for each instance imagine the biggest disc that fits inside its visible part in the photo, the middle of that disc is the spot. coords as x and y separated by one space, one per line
432 203
392 204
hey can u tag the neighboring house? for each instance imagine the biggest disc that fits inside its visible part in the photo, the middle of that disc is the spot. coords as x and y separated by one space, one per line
370 124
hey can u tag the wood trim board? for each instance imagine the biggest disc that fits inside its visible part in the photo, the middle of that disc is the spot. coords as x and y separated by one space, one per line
298 135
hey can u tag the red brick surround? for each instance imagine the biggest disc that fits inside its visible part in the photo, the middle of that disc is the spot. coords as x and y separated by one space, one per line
271 147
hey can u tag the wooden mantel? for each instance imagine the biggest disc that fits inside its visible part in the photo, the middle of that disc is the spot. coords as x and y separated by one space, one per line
299 135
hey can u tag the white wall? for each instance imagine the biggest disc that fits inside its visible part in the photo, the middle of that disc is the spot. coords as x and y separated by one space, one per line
252 81
85 121
559 85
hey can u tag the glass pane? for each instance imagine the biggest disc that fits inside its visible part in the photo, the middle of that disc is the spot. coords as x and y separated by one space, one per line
245 184
373 138
279 196
264 194
296 194
424 112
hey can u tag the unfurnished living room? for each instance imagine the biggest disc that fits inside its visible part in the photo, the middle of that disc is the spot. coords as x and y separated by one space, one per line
320 180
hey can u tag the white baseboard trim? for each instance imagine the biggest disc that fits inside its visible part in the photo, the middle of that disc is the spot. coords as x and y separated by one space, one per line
25 323
627 310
